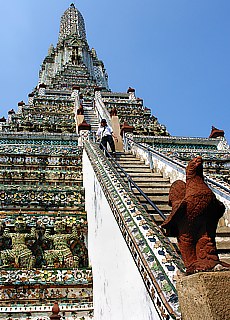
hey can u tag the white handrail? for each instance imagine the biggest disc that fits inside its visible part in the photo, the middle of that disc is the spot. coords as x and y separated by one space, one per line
101 111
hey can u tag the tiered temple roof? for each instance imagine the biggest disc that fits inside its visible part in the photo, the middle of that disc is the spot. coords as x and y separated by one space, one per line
73 63
132 111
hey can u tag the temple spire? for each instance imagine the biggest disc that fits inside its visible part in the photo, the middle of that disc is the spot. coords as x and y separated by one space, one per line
72 23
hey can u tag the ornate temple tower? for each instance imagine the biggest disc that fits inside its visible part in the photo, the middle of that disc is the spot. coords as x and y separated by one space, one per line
73 50
72 64
45 207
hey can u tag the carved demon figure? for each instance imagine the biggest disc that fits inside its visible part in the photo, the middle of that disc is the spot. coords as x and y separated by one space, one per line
19 256
61 253
194 218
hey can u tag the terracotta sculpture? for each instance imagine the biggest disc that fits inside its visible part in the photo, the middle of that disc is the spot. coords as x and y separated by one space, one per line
113 112
61 255
19 255
55 312
194 218
216 133
80 110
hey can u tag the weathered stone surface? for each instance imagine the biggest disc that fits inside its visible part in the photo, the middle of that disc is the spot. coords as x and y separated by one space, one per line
205 296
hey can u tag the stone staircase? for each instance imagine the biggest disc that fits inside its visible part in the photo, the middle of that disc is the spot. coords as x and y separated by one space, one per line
90 116
152 184
156 187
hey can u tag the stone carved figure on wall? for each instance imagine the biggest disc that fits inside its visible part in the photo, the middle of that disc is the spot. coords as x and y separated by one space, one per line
194 218
61 255
19 256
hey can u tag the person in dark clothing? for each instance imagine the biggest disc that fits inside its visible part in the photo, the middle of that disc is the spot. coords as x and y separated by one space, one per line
105 133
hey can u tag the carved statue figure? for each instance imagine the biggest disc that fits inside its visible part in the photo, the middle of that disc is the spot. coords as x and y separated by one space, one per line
80 110
20 256
113 112
194 218
61 255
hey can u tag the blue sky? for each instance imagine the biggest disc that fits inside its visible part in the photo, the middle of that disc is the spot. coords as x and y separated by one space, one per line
175 53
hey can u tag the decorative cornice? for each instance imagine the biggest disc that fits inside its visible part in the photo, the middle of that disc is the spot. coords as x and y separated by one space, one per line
51 276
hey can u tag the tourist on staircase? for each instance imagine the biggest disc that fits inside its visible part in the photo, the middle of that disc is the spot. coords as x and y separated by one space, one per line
105 134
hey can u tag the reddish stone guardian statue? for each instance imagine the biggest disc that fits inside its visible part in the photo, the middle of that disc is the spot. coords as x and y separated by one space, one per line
194 218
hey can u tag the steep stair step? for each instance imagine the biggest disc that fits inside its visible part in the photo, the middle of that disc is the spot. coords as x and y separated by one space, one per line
160 204
149 181
157 218
225 257
157 187
156 198
124 156
137 170
147 175
223 243
135 165
165 208
142 174
223 232
129 160
154 184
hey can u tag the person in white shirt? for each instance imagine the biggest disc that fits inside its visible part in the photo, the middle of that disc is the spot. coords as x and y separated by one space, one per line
105 133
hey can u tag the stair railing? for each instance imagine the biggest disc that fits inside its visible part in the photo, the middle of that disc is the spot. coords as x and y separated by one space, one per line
132 185
101 111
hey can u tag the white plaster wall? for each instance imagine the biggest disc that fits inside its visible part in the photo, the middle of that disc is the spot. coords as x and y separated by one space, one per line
160 165
119 292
